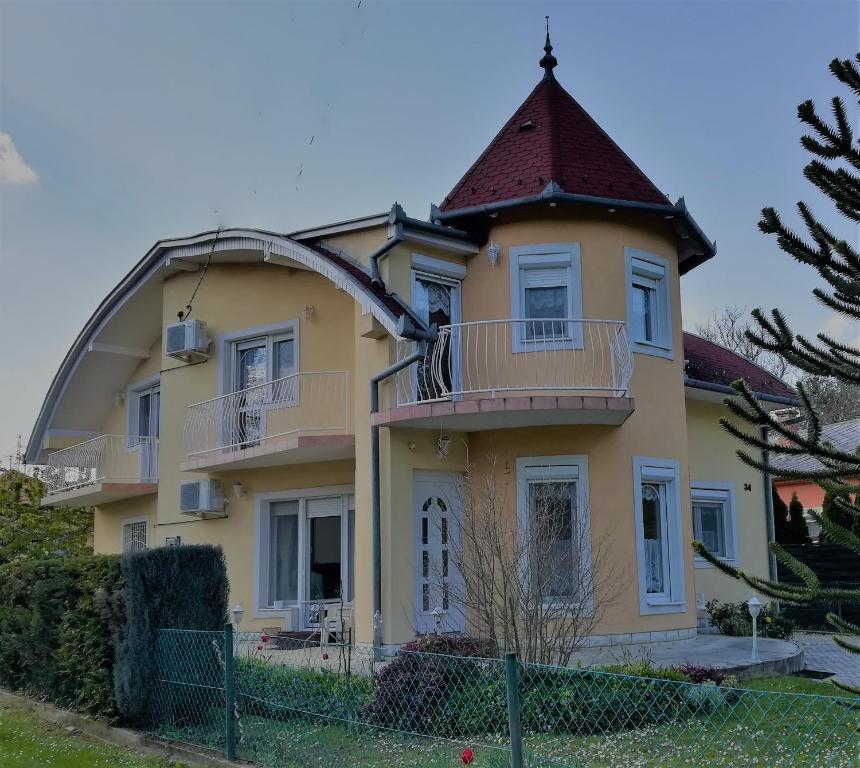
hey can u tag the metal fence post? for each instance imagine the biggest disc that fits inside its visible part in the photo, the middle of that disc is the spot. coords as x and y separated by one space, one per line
514 723
229 694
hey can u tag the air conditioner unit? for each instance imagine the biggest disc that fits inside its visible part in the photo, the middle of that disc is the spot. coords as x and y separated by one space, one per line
187 341
200 498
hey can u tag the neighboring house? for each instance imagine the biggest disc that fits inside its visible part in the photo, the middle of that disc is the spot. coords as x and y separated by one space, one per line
552 224
719 481
844 435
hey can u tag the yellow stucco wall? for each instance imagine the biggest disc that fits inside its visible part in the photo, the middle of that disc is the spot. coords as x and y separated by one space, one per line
713 459
236 297
108 520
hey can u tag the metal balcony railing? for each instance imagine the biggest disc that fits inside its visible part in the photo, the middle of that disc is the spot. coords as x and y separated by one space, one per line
493 357
302 403
106 458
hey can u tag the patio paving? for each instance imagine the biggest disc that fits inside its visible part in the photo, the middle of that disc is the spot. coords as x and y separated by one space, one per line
777 657
823 655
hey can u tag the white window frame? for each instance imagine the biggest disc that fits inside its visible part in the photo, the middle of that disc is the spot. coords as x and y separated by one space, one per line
545 256
451 275
653 270
557 468
147 386
228 342
262 543
129 521
666 472
723 493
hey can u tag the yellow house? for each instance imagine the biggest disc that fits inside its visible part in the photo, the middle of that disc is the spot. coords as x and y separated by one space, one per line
310 400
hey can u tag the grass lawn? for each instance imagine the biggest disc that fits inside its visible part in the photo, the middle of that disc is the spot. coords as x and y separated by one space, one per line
794 684
750 729
26 741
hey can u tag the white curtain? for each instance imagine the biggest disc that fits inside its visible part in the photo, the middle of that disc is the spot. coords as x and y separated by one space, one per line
284 557
654 566
432 297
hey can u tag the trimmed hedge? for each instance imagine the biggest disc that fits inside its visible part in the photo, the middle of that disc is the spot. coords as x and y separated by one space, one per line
57 622
167 588
281 692
81 631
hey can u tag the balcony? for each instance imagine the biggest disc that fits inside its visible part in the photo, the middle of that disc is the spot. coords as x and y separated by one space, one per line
300 418
104 469
492 374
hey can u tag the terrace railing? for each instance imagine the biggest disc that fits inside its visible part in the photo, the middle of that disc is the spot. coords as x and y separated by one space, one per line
106 458
302 403
494 357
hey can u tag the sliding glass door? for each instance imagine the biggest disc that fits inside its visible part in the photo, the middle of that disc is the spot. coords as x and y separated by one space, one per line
307 555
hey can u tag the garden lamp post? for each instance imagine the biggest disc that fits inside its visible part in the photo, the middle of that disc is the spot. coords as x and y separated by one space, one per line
754 606
237 614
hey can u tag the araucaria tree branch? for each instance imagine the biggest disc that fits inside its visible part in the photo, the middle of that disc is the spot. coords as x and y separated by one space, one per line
834 172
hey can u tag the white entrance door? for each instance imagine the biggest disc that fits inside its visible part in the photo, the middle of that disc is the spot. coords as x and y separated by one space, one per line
438 583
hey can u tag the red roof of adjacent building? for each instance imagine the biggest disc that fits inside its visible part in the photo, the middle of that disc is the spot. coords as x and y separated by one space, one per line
551 138
714 364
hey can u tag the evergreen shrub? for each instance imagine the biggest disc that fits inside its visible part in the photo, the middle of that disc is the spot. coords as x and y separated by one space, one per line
166 588
57 620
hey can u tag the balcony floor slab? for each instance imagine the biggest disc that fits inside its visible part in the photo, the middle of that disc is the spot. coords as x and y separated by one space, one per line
295 449
479 415
99 493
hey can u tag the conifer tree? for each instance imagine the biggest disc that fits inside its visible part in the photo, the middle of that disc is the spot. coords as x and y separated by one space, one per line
835 171
780 519
798 529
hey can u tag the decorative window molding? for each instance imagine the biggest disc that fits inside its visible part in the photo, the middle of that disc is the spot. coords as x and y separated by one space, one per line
440 267
134 534
305 505
228 343
714 522
144 391
649 303
660 556
535 471
546 282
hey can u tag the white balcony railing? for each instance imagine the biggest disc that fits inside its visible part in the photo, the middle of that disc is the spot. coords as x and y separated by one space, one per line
302 403
490 357
107 458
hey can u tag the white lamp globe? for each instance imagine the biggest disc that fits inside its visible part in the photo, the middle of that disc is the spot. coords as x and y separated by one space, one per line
237 614
754 606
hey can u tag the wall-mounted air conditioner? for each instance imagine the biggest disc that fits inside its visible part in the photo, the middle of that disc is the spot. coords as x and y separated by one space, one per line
187 341
200 498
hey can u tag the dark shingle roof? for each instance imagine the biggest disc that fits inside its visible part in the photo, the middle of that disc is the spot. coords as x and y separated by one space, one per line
844 435
551 138
390 301
714 364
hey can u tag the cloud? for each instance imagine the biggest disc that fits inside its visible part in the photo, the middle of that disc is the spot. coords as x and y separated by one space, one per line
842 328
13 167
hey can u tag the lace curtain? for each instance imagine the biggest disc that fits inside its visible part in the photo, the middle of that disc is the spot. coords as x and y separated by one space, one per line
431 298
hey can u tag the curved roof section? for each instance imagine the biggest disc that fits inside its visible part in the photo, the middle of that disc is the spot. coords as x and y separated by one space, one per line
711 363
139 288
551 138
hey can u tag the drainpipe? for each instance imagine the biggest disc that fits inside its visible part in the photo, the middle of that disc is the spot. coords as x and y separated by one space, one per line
395 238
405 329
768 507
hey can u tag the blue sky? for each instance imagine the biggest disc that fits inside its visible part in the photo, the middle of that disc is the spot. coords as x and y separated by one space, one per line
145 120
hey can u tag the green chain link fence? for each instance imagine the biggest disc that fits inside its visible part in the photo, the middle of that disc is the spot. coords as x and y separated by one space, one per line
282 702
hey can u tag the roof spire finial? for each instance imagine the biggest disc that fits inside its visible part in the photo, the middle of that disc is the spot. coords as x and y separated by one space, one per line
548 62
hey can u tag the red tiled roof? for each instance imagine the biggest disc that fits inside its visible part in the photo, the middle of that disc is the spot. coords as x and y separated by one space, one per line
551 138
710 362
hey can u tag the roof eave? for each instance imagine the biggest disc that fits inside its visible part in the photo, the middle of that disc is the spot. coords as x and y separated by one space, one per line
553 194
725 389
